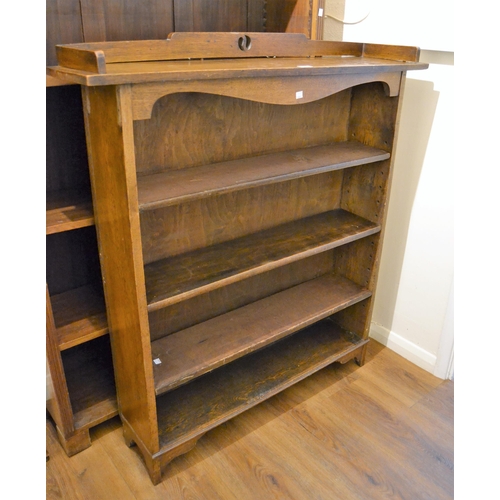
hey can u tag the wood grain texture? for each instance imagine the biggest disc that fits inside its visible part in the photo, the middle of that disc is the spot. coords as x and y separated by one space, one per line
58 402
63 25
176 186
67 210
210 221
208 69
212 45
183 276
193 409
109 20
225 45
211 304
267 89
295 445
79 315
90 380
189 130
113 178
218 15
190 353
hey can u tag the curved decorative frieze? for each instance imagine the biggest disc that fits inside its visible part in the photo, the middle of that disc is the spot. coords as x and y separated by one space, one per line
269 90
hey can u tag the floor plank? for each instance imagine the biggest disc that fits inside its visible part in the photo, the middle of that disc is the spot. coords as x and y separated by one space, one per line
384 430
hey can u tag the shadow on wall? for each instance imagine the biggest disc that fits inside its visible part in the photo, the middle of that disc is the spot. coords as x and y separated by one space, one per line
416 119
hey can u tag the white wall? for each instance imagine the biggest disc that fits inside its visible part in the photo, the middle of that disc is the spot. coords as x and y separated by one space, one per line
427 24
413 309
415 292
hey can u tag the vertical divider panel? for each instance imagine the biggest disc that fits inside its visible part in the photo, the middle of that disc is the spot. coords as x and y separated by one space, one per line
108 121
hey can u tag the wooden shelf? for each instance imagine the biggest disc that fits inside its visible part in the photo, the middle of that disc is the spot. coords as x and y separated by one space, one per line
176 186
194 351
67 210
191 410
90 380
79 316
176 278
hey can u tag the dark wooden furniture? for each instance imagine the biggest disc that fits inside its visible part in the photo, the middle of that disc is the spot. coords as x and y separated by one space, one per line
240 185
82 391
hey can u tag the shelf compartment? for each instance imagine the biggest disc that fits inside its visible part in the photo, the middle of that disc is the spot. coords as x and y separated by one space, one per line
67 210
176 278
176 186
90 380
189 411
79 316
189 353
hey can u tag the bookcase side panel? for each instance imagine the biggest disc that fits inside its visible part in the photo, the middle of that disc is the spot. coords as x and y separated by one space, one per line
112 171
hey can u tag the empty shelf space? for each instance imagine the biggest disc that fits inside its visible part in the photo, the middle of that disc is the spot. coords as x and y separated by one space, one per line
196 350
175 186
192 409
91 384
67 210
79 316
177 278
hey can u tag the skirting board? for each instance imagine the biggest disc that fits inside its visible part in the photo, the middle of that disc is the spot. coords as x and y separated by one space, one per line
403 347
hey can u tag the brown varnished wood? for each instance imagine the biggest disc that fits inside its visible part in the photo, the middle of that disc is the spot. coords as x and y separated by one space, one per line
190 353
206 45
269 90
58 401
71 265
195 408
188 130
115 203
211 304
211 69
177 254
221 45
373 120
218 15
178 186
209 221
67 210
171 280
79 315
126 20
63 25
90 381
291 16
298 442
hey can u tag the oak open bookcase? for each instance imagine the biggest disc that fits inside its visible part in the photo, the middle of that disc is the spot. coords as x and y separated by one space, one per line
240 185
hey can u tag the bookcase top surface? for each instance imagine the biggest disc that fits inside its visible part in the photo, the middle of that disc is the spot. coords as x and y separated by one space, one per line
224 55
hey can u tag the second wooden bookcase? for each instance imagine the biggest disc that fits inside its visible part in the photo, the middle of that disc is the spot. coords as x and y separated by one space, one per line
240 185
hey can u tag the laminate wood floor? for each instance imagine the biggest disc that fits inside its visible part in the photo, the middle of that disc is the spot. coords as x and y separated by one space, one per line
384 430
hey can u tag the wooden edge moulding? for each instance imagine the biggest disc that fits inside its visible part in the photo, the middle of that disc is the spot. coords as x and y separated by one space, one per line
94 57
240 184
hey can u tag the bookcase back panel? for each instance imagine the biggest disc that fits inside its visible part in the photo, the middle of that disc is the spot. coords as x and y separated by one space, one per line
193 129
209 305
72 260
67 164
180 228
